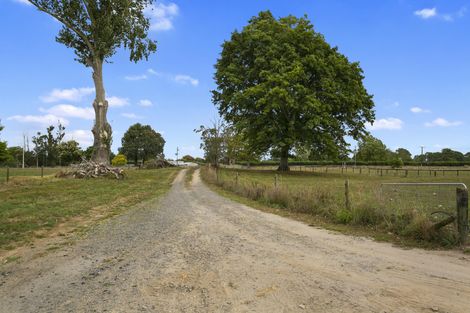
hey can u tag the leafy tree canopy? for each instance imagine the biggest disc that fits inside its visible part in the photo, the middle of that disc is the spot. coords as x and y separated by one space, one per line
280 82
404 154
141 142
4 156
372 149
96 28
69 152
46 145
213 142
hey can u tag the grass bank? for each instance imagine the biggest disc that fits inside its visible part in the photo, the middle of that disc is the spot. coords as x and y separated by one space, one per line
402 216
30 207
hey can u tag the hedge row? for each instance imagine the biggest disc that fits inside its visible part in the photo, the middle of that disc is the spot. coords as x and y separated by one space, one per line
352 163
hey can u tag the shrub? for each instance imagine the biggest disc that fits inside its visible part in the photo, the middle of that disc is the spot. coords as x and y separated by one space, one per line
119 160
397 163
344 216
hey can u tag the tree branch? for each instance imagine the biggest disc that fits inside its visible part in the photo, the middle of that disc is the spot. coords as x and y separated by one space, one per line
67 24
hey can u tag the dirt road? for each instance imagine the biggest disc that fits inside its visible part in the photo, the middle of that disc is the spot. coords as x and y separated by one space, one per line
195 251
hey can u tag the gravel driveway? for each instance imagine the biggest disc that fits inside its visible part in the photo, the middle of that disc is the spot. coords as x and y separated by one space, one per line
195 251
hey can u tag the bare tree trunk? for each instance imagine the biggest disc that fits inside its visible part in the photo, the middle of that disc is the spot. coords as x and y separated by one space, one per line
284 164
101 130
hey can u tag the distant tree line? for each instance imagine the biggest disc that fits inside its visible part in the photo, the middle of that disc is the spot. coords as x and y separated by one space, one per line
140 143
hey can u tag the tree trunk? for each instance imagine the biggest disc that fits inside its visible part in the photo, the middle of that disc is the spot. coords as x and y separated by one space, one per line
101 130
284 165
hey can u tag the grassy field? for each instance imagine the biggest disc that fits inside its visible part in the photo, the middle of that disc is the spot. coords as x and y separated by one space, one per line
31 206
26 172
400 212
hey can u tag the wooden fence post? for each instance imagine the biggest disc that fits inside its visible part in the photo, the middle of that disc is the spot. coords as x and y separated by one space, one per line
346 195
462 214
8 174
236 178
42 171
275 180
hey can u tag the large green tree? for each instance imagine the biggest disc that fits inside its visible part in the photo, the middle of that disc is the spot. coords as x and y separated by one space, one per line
404 154
213 142
280 82
141 142
69 152
46 145
371 149
4 155
95 29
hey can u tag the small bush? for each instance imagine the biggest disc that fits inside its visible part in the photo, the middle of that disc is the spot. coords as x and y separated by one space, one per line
344 216
365 215
397 163
119 160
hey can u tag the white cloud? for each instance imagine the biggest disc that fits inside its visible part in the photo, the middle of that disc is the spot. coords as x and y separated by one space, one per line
426 13
72 94
131 116
441 122
136 77
117 102
153 72
390 123
67 110
419 110
162 15
43 120
83 137
186 79
145 103
429 13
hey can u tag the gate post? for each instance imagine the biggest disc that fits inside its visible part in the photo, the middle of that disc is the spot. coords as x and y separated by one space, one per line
462 214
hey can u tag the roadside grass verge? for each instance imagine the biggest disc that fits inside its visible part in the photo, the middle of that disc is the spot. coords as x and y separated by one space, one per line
319 199
32 207
21 173
189 176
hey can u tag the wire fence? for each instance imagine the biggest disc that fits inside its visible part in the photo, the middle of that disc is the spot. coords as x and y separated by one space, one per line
422 210
370 170
11 173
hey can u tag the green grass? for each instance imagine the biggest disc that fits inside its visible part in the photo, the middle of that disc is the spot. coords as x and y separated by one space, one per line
30 206
388 212
19 173
189 176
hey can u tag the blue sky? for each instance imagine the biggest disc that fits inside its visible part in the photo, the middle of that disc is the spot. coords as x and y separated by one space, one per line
415 55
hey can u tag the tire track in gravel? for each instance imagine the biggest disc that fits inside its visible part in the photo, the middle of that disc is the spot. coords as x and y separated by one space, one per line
195 251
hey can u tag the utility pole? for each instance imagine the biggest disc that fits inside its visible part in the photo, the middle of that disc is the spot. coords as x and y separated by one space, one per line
422 155
355 156
177 153
24 147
